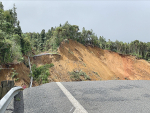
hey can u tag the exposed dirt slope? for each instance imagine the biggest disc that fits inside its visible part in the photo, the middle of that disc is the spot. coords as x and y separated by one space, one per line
99 64
21 69
127 67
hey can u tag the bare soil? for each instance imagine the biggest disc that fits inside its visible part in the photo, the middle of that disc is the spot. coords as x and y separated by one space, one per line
97 63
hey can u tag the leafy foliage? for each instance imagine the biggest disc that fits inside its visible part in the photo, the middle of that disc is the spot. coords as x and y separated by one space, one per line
12 44
14 74
40 74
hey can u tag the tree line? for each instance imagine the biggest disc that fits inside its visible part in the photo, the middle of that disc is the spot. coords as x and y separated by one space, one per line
14 44
50 40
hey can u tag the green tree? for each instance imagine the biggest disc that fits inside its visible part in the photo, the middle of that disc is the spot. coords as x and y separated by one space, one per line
1 6
14 16
26 46
17 29
43 38
102 42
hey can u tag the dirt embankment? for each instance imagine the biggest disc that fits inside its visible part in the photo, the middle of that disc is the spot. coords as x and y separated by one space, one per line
100 64
127 67
6 73
97 63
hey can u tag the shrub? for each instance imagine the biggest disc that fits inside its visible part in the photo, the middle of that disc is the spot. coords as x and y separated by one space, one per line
96 73
76 75
14 73
139 57
16 79
10 50
41 73
81 73
53 43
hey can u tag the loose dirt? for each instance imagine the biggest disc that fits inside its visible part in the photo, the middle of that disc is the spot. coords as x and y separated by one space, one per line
97 63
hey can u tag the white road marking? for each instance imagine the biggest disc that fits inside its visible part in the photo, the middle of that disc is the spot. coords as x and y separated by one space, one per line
76 104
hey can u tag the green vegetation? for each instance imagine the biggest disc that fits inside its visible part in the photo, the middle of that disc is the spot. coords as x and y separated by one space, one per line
84 64
17 99
14 73
14 44
16 79
40 74
96 73
76 75
69 51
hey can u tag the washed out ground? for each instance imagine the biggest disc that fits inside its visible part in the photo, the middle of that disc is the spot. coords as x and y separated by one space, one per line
72 56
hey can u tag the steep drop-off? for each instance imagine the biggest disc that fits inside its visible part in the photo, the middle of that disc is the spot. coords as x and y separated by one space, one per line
97 63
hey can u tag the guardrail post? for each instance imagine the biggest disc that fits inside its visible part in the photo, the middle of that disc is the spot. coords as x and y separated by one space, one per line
10 85
5 87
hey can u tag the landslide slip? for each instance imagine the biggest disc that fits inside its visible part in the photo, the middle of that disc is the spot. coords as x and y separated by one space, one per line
99 64
127 66
108 65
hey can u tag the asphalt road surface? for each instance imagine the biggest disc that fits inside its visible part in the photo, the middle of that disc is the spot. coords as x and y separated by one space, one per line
114 96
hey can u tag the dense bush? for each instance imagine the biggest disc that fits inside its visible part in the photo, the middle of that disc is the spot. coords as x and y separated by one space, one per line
40 74
12 44
26 46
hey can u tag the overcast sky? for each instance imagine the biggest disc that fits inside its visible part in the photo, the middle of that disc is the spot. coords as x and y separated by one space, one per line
115 20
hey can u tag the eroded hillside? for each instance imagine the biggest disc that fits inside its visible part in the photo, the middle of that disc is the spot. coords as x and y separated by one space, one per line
97 63
22 78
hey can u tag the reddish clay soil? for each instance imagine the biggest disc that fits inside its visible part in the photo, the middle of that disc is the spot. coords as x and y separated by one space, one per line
97 63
